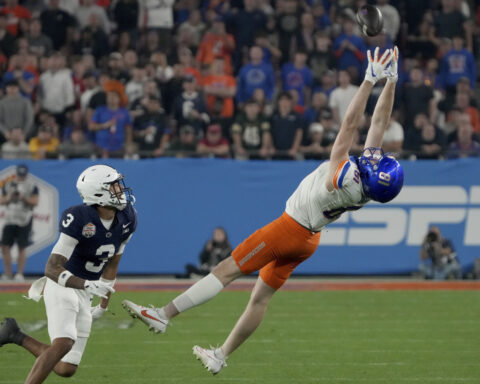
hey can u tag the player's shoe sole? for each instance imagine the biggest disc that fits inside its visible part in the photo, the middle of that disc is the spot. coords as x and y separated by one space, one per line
210 361
9 331
149 316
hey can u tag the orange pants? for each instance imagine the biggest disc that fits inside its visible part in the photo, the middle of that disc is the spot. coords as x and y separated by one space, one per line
276 250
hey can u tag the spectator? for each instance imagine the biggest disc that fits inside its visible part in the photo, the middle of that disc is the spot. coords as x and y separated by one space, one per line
44 145
186 65
438 257
451 22
299 77
216 43
393 137
286 23
221 87
251 133
56 88
116 68
20 196
457 63
286 128
134 88
250 16
186 144
76 146
91 88
112 127
14 13
16 111
270 50
315 148
56 24
462 101
421 41
93 39
215 250
417 97
431 142
305 39
322 57
86 10
24 76
189 107
341 97
150 130
330 129
125 15
139 106
163 71
391 18
191 31
328 82
464 146
214 144
157 15
256 74
7 40
349 48
40 44
16 146
319 102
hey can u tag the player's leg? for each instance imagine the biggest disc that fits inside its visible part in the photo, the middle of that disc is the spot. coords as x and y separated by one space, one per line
215 359
255 252
48 359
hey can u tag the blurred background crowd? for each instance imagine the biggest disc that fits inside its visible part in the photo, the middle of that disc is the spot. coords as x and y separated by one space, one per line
229 78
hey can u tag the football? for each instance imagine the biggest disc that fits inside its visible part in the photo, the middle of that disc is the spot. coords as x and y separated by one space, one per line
370 20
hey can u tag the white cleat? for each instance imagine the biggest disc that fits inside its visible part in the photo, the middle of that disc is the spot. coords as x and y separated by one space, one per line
212 359
152 317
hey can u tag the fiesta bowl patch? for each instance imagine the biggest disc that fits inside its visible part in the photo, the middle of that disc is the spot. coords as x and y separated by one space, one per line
88 230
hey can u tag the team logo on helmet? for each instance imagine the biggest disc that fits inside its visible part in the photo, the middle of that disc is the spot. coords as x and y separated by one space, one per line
89 230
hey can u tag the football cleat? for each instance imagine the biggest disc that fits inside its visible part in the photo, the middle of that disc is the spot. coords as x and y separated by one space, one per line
212 359
152 317
10 332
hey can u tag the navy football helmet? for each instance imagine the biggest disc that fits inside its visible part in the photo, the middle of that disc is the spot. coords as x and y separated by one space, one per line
381 174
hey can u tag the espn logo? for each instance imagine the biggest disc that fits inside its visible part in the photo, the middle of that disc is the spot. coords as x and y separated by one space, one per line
406 219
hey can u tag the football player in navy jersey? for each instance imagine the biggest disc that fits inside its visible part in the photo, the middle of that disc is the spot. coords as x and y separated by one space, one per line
83 264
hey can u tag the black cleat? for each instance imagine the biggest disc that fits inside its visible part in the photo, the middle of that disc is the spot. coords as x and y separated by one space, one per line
10 332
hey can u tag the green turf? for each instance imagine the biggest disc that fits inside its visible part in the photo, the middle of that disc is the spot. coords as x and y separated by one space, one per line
313 337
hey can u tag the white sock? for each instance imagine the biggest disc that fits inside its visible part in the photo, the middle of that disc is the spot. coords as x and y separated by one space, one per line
198 293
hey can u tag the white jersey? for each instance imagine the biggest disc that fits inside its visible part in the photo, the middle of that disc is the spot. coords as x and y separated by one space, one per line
313 206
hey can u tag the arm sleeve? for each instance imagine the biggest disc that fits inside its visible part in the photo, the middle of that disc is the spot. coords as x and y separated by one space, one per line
65 246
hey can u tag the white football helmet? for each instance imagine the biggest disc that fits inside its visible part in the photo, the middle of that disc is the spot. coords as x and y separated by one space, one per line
94 184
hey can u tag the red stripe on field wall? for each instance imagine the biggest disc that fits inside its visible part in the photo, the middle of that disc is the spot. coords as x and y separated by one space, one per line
147 286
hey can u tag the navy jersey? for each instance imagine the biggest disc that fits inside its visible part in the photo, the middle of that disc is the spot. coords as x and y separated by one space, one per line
96 244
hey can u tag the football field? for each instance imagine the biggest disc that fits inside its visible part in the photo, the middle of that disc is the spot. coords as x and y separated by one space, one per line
349 336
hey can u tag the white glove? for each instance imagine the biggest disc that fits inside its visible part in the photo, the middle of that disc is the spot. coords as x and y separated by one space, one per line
98 288
376 67
97 312
392 70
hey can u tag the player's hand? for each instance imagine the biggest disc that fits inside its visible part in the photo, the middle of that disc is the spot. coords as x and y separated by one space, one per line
97 312
98 288
376 66
392 70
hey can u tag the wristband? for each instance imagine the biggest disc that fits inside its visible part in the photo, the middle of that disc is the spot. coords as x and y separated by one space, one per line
110 283
63 277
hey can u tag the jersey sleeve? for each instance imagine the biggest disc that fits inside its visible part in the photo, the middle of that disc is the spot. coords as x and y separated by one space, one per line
71 223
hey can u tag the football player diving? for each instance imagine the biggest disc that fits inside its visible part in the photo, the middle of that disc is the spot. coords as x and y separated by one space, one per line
83 264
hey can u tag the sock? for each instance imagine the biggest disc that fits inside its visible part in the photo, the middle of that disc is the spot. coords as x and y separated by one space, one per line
198 293
18 338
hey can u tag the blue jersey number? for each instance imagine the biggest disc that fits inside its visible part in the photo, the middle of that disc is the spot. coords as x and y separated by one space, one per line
104 252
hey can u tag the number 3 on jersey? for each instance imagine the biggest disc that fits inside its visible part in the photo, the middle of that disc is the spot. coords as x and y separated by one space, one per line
109 249
68 220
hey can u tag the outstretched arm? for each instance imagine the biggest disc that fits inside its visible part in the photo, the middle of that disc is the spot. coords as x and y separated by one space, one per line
383 109
343 142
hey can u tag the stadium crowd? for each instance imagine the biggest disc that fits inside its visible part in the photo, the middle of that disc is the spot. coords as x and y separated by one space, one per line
229 78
